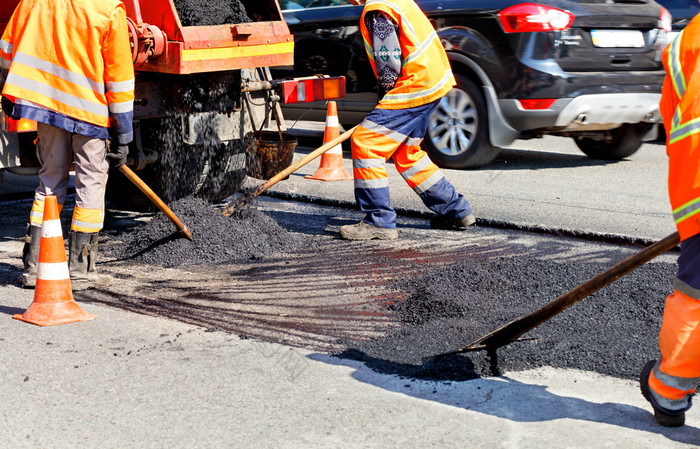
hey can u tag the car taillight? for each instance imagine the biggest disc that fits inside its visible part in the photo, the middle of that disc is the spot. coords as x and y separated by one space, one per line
665 20
537 103
528 17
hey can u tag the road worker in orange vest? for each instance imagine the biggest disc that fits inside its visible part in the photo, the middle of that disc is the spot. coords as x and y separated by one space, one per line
413 74
669 383
67 65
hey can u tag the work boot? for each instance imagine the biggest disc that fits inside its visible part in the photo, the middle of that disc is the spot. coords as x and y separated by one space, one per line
82 254
30 256
667 418
451 223
366 231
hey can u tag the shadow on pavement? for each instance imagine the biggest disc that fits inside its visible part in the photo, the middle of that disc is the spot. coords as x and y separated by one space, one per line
10 310
506 398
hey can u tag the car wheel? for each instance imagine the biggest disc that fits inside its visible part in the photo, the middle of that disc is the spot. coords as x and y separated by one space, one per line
620 143
314 56
457 135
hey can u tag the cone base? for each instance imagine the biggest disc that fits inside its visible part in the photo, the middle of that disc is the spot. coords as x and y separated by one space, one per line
43 314
336 174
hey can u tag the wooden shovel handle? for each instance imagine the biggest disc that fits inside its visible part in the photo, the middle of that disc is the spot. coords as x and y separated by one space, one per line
129 173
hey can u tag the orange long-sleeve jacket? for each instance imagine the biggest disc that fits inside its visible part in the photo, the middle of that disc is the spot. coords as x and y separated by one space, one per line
680 109
68 63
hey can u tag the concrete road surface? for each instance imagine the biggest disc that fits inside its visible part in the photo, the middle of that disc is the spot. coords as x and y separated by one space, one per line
127 380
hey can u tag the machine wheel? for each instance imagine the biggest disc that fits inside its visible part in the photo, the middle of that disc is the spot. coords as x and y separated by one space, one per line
457 135
213 171
619 143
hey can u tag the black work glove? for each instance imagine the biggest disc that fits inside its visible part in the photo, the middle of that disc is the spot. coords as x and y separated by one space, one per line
116 156
7 106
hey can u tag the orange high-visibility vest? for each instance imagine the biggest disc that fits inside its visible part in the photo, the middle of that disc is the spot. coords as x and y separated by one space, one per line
72 57
680 109
426 74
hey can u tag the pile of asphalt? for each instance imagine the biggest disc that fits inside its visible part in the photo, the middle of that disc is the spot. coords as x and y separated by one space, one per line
613 331
247 234
207 13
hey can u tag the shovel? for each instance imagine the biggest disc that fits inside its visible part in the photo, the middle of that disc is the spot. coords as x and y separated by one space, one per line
513 330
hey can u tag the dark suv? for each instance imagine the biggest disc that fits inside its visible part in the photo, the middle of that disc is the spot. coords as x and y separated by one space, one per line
586 69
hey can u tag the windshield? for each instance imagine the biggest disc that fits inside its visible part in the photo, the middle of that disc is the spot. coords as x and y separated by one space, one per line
301 4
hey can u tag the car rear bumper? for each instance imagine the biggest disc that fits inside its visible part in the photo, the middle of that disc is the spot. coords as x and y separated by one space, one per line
585 112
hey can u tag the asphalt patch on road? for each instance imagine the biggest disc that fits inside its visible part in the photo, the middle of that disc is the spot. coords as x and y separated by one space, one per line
613 331
248 234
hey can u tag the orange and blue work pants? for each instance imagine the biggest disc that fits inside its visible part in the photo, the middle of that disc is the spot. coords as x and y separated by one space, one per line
56 149
675 377
397 134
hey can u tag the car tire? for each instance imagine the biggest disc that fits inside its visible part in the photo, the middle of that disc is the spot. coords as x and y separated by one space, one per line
457 134
623 142
316 56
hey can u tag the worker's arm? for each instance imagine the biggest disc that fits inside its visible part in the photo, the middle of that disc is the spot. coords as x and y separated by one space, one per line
119 77
383 32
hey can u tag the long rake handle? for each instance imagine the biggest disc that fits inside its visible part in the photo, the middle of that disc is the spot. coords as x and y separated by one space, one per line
289 170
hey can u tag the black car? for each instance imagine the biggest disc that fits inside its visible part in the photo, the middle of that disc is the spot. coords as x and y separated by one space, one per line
586 69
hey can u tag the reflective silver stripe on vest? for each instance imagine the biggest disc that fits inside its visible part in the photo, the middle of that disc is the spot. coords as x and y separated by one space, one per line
370 184
423 93
421 48
686 289
679 132
83 224
368 163
679 383
687 210
5 46
57 95
390 133
428 183
121 86
72 77
37 214
416 168
674 64
121 108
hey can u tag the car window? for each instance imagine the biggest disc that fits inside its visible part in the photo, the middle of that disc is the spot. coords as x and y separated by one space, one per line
681 10
679 4
301 4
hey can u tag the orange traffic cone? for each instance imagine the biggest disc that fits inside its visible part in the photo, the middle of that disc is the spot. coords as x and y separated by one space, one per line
331 168
53 299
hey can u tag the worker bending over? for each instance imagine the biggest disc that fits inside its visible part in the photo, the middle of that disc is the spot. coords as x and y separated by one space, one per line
413 73
67 64
669 383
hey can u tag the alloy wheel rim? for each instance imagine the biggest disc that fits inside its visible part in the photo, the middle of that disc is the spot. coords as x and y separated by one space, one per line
453 125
